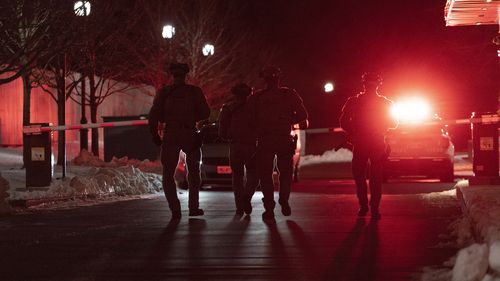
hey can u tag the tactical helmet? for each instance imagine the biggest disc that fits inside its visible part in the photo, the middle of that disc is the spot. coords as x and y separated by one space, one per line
241 89
178 68
270 71
371 77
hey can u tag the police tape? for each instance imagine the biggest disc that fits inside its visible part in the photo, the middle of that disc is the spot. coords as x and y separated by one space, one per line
484 119
34 129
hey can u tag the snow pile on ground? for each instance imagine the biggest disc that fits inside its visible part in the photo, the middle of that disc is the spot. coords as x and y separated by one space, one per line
91 178
125 180
86 158
342 155
97 182
481 260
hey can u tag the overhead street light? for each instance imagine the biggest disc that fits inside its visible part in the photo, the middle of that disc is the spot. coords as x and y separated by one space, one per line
168 31
208 50
329 87
82 8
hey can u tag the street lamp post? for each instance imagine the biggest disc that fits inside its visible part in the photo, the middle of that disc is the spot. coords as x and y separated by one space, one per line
82 8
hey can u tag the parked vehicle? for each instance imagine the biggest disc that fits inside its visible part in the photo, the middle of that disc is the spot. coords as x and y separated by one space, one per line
215 168
420 147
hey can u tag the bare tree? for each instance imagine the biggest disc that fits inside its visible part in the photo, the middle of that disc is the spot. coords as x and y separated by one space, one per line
24 25
104 60
239 52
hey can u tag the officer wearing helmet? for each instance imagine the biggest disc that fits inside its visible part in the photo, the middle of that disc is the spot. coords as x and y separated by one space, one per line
236 126
176 110
366 119
276 109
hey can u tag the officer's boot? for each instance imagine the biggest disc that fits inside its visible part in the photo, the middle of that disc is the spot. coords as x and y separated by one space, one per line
363 210
285 208
175 208
269 210
247 204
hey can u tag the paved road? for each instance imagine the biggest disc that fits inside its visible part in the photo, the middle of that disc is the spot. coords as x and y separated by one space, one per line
322 240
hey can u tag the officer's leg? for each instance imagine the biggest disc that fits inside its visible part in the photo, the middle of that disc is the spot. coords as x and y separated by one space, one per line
285 167
237 166
169 160
194 180
376 176
252 180
265 167
359 163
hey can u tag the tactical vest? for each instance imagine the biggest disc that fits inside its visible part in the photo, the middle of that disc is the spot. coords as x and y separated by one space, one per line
274 112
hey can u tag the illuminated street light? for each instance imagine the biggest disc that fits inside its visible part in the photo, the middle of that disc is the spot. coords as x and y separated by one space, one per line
208 50
329 87
82 8
168 31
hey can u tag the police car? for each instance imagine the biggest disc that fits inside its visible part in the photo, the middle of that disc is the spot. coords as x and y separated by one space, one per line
215 168
420 146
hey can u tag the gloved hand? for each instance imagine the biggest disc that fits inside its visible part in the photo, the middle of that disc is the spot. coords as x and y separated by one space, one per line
157 140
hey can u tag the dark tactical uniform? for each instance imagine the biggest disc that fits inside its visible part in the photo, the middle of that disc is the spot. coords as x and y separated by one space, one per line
236 125
366 119
277 109
179 107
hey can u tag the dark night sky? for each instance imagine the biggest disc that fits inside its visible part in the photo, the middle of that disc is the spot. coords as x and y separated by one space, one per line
456 68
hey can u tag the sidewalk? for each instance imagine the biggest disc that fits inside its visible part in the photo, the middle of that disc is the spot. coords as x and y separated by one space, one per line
481 207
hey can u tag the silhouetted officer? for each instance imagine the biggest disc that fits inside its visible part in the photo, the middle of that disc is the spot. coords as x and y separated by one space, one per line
366 119
236 125
177 108
276 110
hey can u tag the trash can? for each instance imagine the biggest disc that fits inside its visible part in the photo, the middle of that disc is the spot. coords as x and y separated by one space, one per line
484 131
135 142
38 157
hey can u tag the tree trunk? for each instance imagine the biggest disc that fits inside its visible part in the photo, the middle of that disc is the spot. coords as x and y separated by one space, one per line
26 111
95 131
26 98
93 115
61 120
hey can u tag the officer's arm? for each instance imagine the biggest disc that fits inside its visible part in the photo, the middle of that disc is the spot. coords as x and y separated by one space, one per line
156 115
345 117
202 109
224 123
299 110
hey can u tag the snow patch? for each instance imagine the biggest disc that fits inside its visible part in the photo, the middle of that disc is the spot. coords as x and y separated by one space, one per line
494 257
86 158
471 263
342 155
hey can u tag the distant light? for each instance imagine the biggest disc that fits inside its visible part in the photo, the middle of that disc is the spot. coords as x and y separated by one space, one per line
82 8
168 31
412 110
329 87
498 53
489 1
208 50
